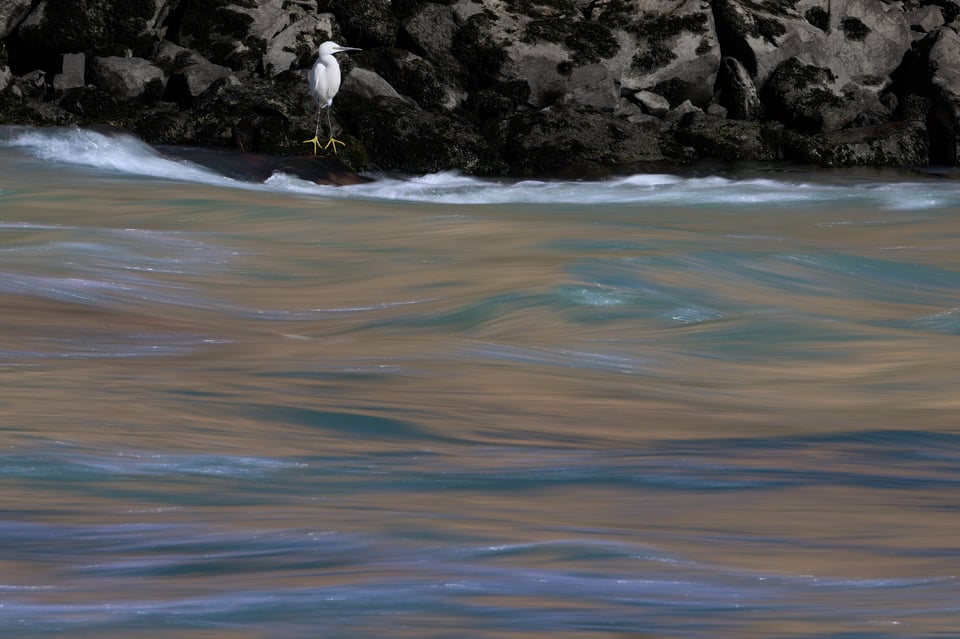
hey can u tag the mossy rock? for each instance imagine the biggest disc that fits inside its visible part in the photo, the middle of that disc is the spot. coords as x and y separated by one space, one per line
497 101
892 144
674 90
93 105
818 17
406 8
479 51
655 33
854 29
100 27
28 111
260 115
402 138
731 140
770 29
798 75
802 96
165 123
589 42
543 8
365 23
615 14
782 8
213 28
573 140
410 75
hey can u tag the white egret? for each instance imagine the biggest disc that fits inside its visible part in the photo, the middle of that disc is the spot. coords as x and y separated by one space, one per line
324 81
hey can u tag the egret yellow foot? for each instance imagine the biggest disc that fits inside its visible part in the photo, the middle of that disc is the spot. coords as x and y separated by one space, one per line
333 142
315 142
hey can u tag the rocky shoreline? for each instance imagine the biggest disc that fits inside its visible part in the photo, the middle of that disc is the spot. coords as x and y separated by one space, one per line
503 87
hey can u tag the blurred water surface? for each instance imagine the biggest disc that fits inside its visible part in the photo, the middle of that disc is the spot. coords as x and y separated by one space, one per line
656 406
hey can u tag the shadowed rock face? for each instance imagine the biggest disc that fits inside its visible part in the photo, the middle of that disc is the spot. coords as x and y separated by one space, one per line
736 91
942 51
502 87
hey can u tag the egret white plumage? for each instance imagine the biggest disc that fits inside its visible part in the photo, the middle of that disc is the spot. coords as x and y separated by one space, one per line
324 81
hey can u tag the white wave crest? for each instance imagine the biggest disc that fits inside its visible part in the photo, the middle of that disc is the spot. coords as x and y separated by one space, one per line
116 153
125 154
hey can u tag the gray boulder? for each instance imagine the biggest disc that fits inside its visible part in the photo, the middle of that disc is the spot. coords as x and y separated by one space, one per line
169 54
673 51
72 69
548 53
296 45
290 33
433 27
856 39
366 84
547 69
652 103
561 57
200 76
924 19
191 74
416 77
223 32
681 112
128 78
811 99
571 53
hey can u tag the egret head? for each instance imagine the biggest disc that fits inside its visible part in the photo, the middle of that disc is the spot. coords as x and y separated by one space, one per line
329 48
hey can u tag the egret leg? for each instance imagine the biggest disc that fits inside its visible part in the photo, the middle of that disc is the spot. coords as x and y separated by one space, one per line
332 141
315 140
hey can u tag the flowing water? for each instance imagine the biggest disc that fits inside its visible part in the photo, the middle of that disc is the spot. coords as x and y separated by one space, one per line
655 406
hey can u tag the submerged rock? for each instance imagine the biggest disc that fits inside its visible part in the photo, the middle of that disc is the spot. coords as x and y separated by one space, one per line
250 167
257 167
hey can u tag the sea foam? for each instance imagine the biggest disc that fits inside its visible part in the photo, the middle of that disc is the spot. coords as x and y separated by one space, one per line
773 186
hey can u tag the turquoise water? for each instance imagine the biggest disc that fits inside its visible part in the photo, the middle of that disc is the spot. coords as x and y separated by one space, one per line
655 406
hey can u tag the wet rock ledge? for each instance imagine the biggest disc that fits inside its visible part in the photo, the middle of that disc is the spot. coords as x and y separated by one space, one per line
503 87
